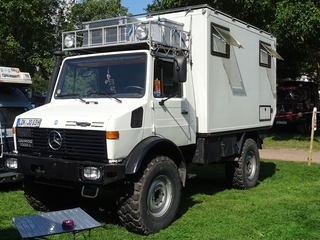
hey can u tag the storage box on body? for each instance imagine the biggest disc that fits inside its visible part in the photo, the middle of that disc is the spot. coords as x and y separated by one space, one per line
107 31
166 32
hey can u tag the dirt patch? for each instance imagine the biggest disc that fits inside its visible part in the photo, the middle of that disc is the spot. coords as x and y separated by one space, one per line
290 155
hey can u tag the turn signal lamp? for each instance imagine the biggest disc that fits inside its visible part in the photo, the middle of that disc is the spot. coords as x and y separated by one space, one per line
112 135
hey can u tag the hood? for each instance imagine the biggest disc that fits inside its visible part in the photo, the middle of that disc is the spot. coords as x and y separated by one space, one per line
75 113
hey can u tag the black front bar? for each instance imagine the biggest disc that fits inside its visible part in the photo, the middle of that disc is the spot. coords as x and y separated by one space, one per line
65 170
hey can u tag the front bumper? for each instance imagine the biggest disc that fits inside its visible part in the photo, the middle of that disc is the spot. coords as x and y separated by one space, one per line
8 177
65 170
283 120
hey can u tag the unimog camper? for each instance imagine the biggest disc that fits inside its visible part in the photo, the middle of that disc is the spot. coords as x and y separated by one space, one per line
137 99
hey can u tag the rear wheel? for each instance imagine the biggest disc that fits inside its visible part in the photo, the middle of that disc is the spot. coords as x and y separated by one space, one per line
149 201
244 173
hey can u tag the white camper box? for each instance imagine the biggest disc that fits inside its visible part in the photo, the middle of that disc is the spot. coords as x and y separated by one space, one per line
232 91
142 98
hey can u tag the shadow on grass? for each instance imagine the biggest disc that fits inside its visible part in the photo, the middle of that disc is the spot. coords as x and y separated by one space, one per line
209 180
9 234
13 186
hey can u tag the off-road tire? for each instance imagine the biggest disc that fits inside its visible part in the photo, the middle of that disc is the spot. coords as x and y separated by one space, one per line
244 172
47 198
150 198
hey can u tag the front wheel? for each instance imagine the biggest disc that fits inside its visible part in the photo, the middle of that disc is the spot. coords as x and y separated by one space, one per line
149 200
244 173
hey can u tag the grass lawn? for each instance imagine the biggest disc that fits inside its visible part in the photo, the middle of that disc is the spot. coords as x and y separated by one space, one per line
278 140
285 205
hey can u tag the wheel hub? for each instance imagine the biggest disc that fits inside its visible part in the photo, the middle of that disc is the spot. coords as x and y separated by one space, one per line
159 196
251 165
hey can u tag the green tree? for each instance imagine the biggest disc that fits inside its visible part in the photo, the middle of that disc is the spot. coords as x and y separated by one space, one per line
89 10
27 33
297 27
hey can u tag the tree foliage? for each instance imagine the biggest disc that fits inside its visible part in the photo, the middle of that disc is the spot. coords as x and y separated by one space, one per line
27 33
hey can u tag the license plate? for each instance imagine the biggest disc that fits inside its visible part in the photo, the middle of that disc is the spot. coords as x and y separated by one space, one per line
29 122
281 122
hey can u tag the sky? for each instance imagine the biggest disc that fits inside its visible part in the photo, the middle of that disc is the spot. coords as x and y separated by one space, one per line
136 6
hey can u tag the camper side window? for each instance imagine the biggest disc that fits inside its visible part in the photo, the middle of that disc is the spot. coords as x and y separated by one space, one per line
219 45
264 57
164 86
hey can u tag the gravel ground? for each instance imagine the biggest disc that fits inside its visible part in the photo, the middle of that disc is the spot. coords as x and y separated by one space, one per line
290 155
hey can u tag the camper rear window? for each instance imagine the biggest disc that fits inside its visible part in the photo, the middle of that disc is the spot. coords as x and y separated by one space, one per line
219 45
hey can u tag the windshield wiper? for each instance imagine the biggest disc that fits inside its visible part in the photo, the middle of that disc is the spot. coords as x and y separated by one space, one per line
109 95
74 96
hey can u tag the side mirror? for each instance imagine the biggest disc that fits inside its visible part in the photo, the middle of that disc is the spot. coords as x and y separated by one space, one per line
180 69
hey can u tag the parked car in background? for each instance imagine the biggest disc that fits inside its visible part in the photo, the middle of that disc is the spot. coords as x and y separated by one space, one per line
295 103
13 101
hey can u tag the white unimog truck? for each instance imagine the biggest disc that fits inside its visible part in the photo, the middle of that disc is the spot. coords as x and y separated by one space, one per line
13 101
137 99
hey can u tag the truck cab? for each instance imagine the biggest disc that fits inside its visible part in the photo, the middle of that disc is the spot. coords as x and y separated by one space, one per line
13 102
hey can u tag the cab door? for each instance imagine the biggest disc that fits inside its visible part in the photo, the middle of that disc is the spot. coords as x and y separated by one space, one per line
171 109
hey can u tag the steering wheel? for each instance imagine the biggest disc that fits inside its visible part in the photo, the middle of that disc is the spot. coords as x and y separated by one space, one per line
134 87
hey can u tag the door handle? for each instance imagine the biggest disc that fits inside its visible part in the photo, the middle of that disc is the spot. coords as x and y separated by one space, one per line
184 112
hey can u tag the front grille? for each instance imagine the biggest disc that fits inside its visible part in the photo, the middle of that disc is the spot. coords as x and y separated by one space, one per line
75 144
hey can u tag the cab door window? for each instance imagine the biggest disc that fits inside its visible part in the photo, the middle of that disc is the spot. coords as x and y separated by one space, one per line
164 86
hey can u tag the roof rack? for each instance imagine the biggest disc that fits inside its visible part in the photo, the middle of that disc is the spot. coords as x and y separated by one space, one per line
126 30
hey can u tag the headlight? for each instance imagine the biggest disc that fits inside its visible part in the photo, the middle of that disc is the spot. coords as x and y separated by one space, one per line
69 40
142 32
11 163
92 173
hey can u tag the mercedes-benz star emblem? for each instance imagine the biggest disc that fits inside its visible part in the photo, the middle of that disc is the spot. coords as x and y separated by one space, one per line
55 140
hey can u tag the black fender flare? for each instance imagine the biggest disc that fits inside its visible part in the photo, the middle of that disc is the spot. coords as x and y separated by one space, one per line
155 145
243 138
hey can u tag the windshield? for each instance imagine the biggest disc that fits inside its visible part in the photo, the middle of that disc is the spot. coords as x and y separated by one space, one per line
293 94
119 76
8 114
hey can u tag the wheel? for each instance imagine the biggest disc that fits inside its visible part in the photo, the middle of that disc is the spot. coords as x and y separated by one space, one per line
46 198
244 173
149 201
